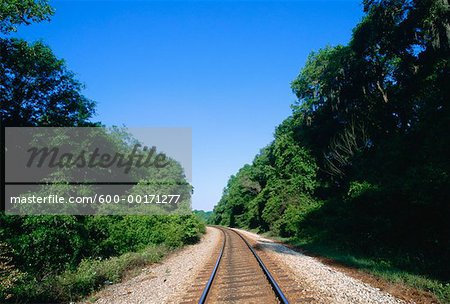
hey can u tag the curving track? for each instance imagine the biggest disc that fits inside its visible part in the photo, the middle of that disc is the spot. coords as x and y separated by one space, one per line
240 276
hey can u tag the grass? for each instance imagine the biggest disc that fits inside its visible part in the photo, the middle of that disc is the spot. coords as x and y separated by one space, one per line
91 275
382 268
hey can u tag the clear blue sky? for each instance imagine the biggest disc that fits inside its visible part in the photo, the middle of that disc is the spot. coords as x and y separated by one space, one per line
222 68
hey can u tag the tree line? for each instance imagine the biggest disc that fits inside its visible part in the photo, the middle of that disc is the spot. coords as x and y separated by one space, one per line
362 163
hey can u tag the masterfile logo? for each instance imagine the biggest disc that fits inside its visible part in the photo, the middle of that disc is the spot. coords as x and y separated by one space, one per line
97 170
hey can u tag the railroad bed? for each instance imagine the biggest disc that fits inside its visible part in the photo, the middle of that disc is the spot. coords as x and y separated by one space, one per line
238 275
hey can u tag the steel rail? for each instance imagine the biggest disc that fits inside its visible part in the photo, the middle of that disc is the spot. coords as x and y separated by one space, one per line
276 288
213 273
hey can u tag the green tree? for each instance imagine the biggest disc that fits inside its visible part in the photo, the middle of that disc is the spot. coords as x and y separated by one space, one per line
37 89
17 12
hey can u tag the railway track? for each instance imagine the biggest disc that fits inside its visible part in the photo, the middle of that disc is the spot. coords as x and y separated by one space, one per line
237 274
240 275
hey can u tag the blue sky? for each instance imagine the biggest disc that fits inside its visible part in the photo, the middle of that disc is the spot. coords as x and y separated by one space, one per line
222 68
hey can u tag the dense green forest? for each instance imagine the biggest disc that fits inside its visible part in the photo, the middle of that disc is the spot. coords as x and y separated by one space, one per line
60 258
360 170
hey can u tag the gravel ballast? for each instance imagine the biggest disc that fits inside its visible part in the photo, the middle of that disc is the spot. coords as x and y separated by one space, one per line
325 284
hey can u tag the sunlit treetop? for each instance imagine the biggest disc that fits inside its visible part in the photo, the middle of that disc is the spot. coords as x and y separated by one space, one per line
14 13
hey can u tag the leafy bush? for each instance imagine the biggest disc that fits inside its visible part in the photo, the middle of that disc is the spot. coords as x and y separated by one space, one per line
90 275
73 256
93 274
9 276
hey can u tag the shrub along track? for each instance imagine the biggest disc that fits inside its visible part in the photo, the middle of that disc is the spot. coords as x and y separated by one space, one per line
238 275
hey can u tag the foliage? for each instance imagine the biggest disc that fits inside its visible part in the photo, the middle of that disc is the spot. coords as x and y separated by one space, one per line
9 276
89 275
67 250
37 89
203 215
18 12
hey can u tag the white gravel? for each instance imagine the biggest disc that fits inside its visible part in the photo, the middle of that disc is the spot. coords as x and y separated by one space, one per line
162 282
328 284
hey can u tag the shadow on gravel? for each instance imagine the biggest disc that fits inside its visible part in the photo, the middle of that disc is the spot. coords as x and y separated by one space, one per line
274 247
